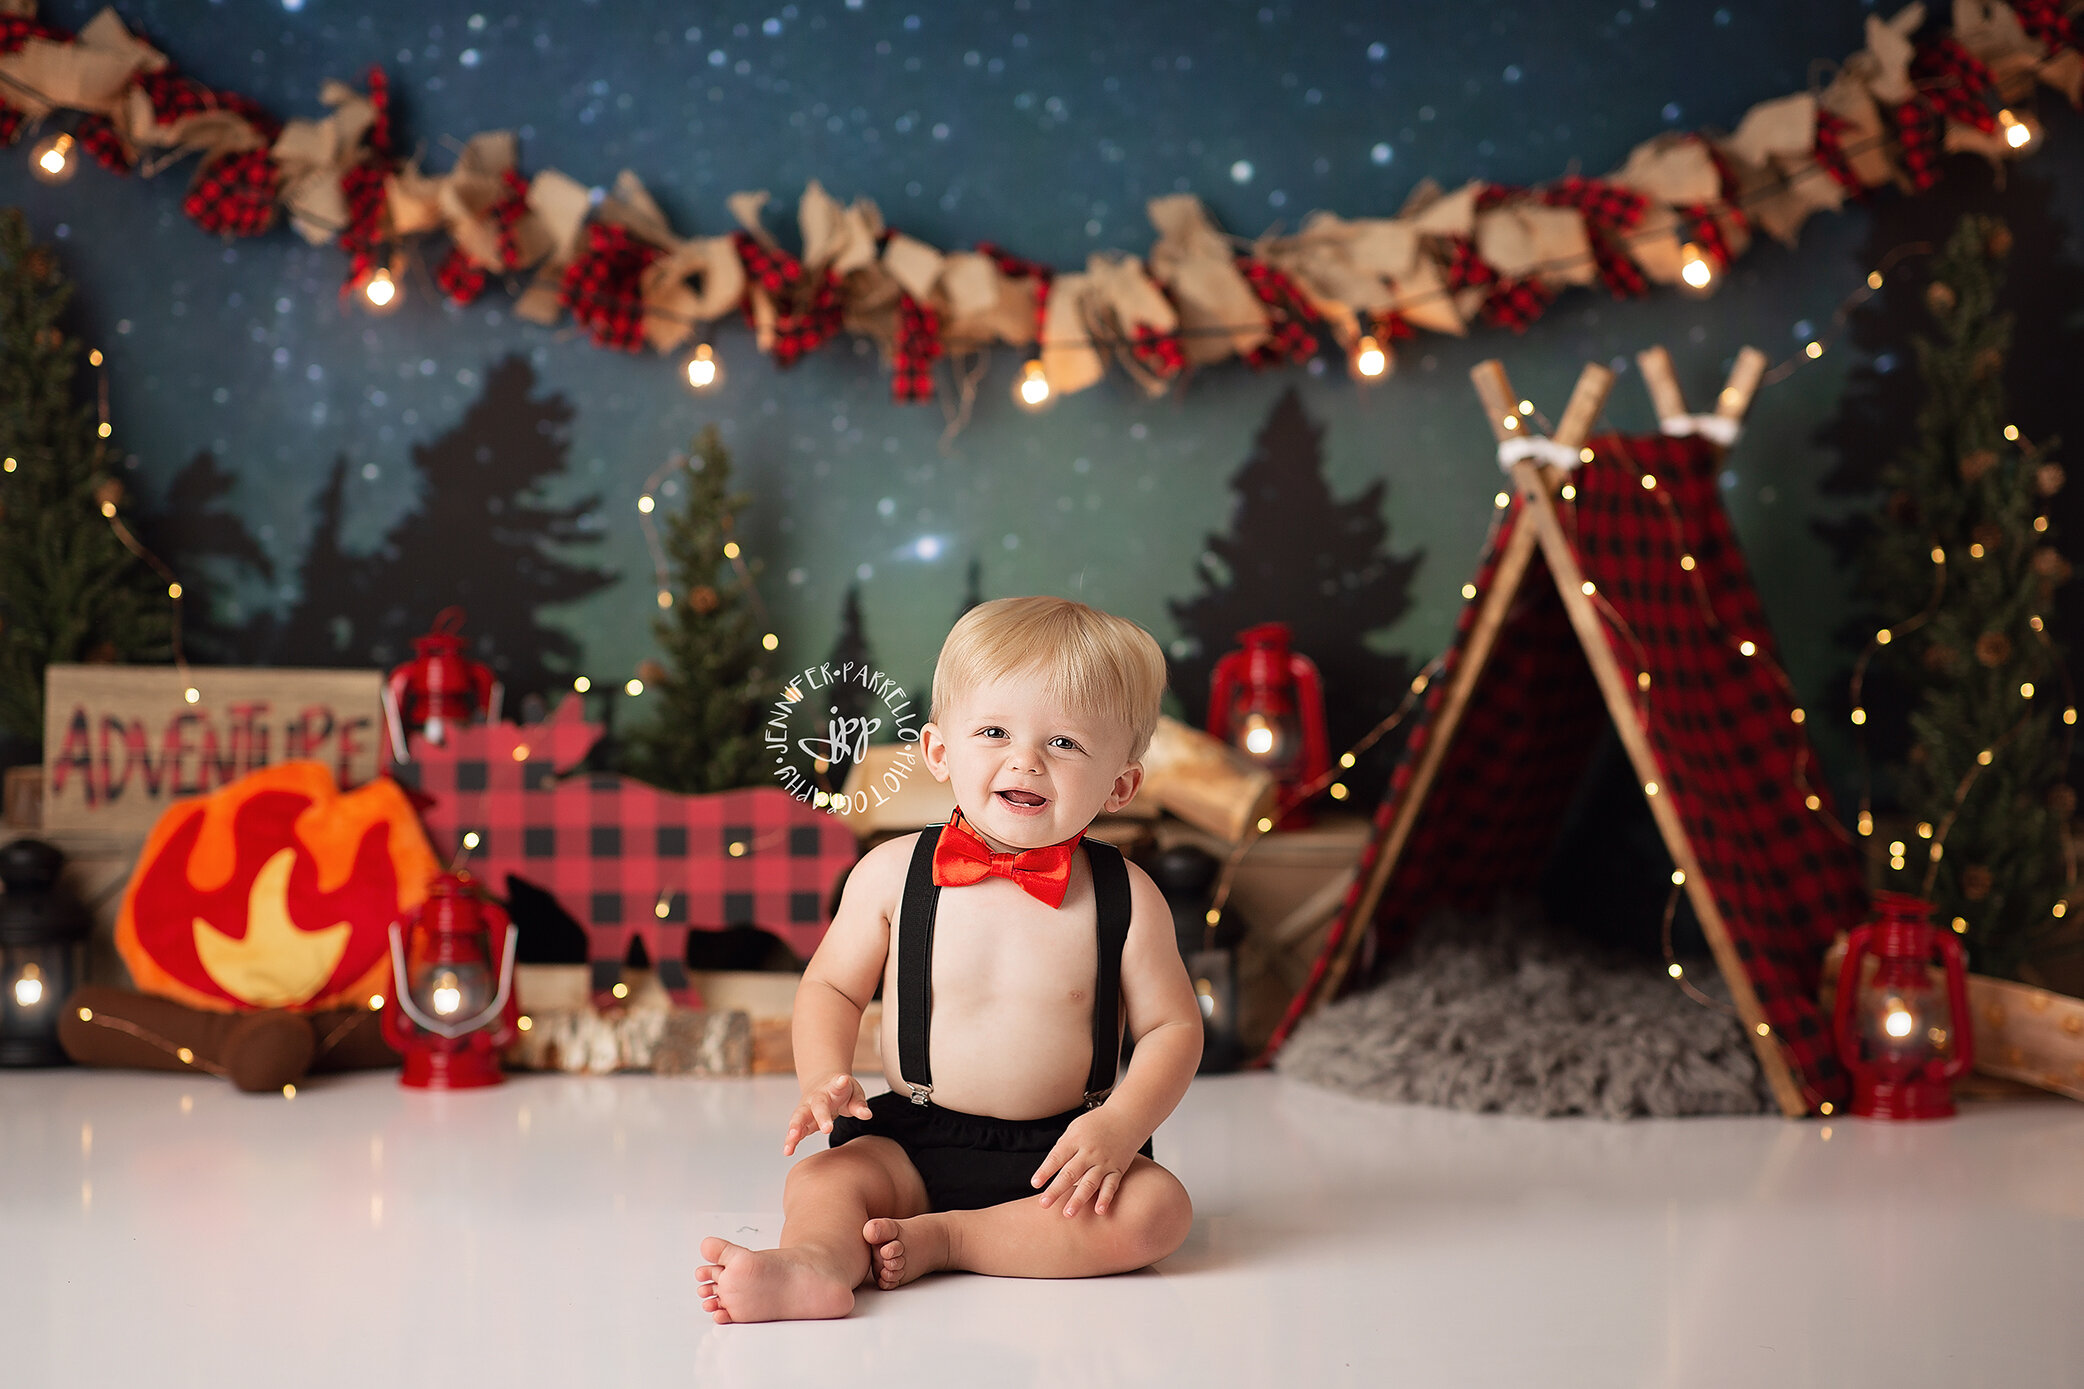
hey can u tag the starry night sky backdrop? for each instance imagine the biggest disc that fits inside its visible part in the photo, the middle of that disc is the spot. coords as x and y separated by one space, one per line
1042 126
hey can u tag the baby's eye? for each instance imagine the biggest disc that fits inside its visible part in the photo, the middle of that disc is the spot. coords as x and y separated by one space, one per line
1060 741
992 732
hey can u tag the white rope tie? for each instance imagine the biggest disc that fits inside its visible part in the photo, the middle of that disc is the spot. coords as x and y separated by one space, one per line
1716 429
1538 447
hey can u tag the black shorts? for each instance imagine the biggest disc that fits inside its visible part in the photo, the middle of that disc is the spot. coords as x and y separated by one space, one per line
967 1161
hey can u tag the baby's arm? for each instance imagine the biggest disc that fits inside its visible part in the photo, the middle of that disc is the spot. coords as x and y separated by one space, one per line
837 985
1165 1020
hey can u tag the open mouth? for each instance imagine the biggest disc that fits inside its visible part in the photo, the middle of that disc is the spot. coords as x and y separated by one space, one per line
1026 800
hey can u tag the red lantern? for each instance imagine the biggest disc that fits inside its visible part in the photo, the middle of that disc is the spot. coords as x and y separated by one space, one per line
439 686
454 984
1904 1040
1268 702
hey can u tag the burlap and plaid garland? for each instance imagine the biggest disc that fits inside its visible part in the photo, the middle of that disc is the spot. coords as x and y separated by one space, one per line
1293 317
1956 83
1610 213
918 348
1831 131
1920 141
1014 268
235 195
603 287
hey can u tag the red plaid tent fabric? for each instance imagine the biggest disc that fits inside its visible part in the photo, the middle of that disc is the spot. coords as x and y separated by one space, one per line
1719 724
626 860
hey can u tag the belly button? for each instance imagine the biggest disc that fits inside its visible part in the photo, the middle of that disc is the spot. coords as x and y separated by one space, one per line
1077 995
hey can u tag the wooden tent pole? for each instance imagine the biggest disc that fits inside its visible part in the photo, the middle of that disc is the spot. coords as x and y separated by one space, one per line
1494 389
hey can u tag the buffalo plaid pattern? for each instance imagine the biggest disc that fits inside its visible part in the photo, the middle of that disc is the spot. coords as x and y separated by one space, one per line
235 195
1719 723
918 348
603 286
1014 268
460 278
1516 304
1610 212
801 330
507 213
2048 21
1831 131
16 30
100 139
380 98
1465 268
365 187
1957 84
1706 233
1731 205
1293 316
1920 136
173 97
1161 353
10 124
626 860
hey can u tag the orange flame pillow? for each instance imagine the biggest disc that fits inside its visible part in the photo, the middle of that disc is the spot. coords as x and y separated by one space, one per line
277 891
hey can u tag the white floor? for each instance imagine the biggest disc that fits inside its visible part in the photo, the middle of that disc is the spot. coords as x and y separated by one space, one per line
161 1231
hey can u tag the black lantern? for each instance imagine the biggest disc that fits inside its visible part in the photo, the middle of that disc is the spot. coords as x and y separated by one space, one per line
1186 875
41 935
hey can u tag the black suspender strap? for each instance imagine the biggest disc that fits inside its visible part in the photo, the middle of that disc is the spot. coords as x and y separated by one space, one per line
915 966
1111 910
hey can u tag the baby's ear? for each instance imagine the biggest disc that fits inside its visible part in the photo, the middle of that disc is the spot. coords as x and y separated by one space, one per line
933 750
1126 783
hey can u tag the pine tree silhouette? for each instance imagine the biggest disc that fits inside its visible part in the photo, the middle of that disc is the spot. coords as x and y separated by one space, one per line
1298 555
210 547
483 537
332 586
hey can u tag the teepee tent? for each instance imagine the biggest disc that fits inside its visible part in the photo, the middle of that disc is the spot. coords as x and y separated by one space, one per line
1612 587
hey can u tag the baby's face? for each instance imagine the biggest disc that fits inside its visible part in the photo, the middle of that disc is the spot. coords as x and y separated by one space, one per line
1025 770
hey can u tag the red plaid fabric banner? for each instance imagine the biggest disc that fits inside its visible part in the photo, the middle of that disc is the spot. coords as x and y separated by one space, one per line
508 212
100 139
1730 206
1014 268
1516 304
460 278
1162 354
173 97
1611 212
2048 21
365 187
1293 316
1920 141
235 195
1956 83
918 348
798 330
1466 269
1831 131
603 286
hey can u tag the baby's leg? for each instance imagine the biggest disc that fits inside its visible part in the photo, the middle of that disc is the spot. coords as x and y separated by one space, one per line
821 1258
1024 1239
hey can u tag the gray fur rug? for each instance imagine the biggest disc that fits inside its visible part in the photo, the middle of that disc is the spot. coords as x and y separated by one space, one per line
1503 1014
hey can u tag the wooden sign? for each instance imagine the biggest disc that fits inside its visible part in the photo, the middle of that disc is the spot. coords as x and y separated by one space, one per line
121 743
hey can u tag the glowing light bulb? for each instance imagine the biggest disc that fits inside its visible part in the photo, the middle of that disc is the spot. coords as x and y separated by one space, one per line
665 598
376 1003
108 509
1695 268
1859 716
471 840
703 370
1798 715
1642 680
1649 483
1874 279
1983 758
2017 133
104 429
1686 563
1569 493
52 160
1468 590
380 289
1898 1022
581 684
1884 637
1866 822
1501 501
1747 648
1346 759
1265 824
731 550
1960 925
621 991
1368 357
1924 829
646 503
94 358
524 1022
2011 433
635 687
1259 741
448 993
1814 802
1813 350
1032 390
192 695
1678 877
663 908
1338 791
1588 588
1674 969
1586 455
28 991
173 590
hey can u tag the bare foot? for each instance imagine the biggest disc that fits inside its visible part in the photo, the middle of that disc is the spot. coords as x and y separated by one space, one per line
740 1284
902 1250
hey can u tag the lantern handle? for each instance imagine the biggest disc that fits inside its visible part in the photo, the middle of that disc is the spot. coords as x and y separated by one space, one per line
453 1030
1957 999
1857 946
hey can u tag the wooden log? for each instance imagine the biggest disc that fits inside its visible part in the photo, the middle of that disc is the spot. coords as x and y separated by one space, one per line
1206 782
1662 383
1734 402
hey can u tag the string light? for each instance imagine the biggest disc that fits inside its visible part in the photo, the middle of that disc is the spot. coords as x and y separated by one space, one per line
192 695
1924 829
1975 551
730 549
1588 588
646 504
381 291
471 840
1695 268
1796 716
1526 407
1814 350
1884 637
1649 483
1982 759
1501 501
2011 433
1338 791
703 370
581 684
1675 970
621 990
1866 823
1368 357
1686 563
1642 680
1859 716
1569 493
2026 690
1468 590
2017 133
1747 648
1031 391
665 598
1874 279
52 159
1678 877
770 641
1939 556
1960 925
633 687
1585 455
1346 759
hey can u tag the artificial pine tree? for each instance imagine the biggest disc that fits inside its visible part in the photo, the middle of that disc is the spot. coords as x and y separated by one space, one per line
704 733
69 590
1965 559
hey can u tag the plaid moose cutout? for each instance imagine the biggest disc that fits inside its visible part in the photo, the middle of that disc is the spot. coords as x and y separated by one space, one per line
626 860
1719 723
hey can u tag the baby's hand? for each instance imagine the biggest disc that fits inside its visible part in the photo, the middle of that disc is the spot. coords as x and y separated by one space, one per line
840 1095
1089 1161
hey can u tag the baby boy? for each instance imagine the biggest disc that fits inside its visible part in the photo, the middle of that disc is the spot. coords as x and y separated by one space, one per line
1011 958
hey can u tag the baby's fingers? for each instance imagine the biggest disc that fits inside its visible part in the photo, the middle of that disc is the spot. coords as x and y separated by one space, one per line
1108 1188
1057 1157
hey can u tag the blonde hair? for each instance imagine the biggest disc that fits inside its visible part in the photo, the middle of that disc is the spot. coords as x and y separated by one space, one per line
1090 661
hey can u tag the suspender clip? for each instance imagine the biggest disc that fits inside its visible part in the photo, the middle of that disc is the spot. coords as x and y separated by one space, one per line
1095 1098
921 1094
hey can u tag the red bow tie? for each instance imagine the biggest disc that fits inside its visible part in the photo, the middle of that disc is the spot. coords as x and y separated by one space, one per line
961 858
